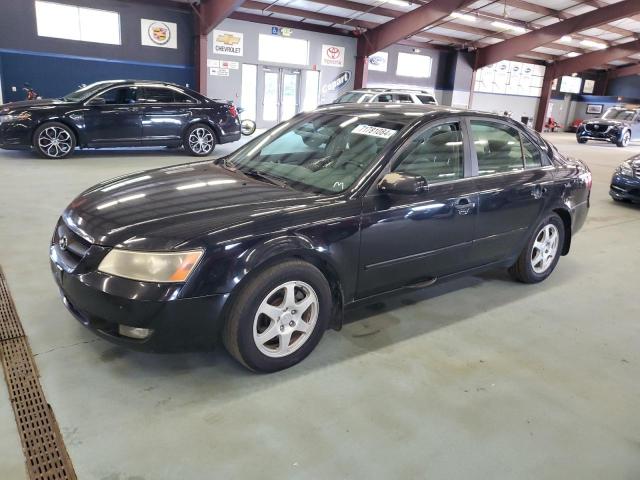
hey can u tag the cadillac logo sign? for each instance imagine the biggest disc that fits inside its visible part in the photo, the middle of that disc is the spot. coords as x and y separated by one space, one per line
63 243
159 33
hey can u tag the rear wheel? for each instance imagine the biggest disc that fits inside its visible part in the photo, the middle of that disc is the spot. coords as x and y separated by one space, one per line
278 317
54 140
624 140
542 252
199 140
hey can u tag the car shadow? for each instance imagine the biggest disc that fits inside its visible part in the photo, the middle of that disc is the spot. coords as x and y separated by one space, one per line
215 376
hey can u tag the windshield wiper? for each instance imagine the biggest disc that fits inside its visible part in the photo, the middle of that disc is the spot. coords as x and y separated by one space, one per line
253 173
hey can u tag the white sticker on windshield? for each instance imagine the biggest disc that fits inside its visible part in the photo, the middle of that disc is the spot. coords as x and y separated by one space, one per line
374 131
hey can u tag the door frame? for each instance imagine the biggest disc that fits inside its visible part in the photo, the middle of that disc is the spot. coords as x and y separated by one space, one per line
260 85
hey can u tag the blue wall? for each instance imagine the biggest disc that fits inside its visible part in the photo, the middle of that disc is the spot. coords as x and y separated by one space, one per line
624 86
54 75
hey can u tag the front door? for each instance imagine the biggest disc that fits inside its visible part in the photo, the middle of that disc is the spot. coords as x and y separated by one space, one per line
113 118
280 89
410 239
513 183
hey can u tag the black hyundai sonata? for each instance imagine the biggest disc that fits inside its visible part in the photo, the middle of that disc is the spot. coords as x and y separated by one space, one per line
119 113
264 248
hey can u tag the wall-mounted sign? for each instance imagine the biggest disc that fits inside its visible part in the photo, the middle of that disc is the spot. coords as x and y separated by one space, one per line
284 31
594 109
156 33
229 64
378 61
332 56
588 86
338 83
228 43
213 63
219 72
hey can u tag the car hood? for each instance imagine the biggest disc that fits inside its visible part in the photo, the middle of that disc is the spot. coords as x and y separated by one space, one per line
606 122
192 204
26 104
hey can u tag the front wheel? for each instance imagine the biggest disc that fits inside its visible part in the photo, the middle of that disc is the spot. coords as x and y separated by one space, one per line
54 140
624 140
199 140
542 252
278 317
247 127
582 140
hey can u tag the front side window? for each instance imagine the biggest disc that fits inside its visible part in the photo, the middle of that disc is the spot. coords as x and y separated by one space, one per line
497 147
119 96
437 154
324 153
532 155
157 95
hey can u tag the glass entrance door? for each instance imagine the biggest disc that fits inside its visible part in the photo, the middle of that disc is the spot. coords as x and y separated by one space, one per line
280 88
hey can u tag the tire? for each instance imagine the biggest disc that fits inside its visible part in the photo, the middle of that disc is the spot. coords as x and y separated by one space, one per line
270 291
199 140
54 140
582 140
624 139
247 127
527 268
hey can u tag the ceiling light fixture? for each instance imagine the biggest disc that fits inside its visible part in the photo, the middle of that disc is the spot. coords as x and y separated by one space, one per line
508 26
591 43
399 3
464 16
566 38
573 54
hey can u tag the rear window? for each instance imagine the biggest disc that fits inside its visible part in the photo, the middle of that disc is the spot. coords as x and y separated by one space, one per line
427 99
351 97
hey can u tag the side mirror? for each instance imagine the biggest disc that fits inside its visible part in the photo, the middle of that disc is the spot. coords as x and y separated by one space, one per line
97 101
402 183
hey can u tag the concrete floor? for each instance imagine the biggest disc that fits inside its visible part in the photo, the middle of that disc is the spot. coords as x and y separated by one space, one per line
478 378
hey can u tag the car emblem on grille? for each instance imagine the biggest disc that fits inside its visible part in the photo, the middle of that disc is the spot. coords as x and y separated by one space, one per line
63 243
596 127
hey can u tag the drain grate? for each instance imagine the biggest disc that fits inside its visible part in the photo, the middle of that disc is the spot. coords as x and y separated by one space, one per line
42 444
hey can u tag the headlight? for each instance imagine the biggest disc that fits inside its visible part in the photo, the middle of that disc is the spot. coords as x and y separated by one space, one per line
625 169
159 267
15 118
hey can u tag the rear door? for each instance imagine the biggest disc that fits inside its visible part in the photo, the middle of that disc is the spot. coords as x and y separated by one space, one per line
165 114
408 239
513 179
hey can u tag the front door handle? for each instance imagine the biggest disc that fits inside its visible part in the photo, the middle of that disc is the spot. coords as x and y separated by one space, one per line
464 206
538 191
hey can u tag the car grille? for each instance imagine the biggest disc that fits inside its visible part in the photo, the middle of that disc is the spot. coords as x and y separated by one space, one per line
596 127
70 251
636 171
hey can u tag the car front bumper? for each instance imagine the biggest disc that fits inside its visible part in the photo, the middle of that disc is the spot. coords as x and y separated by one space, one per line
625 188
602 136
15 135
175 324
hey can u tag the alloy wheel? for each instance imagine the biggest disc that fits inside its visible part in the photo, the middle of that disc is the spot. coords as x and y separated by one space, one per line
626 139
201 141
545 248
285 319
55 142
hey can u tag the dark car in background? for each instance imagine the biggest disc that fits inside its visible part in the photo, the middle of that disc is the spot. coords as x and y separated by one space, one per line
625 183
119 113
618 125
264 248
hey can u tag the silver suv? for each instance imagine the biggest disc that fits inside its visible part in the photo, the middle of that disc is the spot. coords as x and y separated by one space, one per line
387 95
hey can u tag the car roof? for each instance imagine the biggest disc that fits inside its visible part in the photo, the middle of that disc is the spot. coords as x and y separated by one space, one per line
420 110
391 90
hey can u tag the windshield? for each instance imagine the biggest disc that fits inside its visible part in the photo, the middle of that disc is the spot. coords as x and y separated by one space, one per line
85 92
321 153
619 114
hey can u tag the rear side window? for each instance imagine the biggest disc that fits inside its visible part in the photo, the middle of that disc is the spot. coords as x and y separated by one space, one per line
384 98
437 154
426 99
402 98
497 147
157 95
532 155
182 98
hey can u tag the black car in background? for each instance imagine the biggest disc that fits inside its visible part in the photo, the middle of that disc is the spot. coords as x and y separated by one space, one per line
119 113
265 247
625 183
618 125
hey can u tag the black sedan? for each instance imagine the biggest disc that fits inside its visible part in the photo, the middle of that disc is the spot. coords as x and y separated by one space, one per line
625 183
119 113
618 125
266 247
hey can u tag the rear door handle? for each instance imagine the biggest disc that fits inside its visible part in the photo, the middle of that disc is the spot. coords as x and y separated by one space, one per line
464 206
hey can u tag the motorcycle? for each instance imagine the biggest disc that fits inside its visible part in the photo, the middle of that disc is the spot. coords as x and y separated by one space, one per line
247 126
